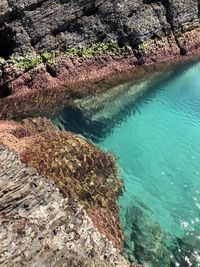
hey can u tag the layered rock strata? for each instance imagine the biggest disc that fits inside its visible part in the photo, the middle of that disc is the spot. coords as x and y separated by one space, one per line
41 228
128 35
79 170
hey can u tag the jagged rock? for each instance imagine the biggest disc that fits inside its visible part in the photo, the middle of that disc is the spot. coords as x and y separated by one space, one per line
79 170
144 236
155 31
181 12
51 25
38 227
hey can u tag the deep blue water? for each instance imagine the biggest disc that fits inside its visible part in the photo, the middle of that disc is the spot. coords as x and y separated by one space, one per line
157 144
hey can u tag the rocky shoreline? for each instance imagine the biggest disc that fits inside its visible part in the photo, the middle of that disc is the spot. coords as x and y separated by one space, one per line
43 220
84 44
39 227
48 59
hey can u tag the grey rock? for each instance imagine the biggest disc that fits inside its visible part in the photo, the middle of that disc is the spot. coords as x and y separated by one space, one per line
38 227
46 25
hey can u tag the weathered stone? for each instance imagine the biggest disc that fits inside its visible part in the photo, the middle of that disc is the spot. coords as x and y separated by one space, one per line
79 170
49 24
39 227
155 31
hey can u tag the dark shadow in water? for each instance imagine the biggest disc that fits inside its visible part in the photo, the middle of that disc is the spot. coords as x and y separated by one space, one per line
72 119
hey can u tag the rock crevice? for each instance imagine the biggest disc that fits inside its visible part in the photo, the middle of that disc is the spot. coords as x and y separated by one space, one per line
52 25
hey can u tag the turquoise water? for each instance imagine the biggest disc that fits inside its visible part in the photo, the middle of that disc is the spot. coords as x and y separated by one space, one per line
157 144
158 150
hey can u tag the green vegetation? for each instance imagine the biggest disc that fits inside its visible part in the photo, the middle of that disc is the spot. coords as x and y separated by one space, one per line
112 48
32 61
157 41
26 62
29 61
144 46
96 49
47 57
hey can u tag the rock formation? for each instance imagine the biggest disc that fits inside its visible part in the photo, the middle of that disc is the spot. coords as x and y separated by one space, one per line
47 25
51 43
39 227
52 52
148 242
79 170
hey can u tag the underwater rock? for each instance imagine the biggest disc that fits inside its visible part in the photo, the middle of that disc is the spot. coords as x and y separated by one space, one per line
96 115
147 243
77 167
144 236
36 93
39 227
186 250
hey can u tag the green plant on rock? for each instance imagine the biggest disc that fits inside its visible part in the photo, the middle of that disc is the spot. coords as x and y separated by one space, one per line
72 52
47 57
26 62
158 41
143 46
31 61
95 49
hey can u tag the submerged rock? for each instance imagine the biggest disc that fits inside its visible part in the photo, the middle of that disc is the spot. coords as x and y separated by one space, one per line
144 236
186 250
150 245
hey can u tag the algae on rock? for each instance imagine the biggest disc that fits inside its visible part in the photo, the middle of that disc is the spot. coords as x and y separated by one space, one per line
78 168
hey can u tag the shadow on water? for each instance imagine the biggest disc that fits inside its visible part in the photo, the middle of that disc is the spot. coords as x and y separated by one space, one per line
97 124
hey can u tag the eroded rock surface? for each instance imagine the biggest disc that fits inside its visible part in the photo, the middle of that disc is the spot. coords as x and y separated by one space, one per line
77 167
50 24
38 227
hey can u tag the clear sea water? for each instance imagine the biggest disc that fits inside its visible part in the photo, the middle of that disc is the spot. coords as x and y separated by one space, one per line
157 144
158 150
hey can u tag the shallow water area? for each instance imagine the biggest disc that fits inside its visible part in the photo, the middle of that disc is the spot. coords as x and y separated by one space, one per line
156 139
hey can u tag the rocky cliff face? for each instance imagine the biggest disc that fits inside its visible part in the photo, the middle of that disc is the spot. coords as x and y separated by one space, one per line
46 25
